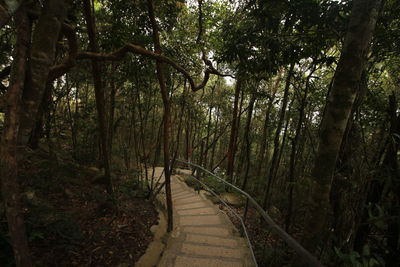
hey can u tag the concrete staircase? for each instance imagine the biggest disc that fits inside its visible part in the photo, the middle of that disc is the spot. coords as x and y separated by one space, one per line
203 235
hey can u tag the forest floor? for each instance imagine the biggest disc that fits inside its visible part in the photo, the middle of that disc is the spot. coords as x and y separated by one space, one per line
71 221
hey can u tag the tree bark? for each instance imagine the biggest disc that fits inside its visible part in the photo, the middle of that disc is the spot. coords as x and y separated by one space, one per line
210 109
99 95
8 149
112 110
247 142
167 112
293 154
263 147
232 138
43 111
347 78
72 122
42 57
214 143
275 156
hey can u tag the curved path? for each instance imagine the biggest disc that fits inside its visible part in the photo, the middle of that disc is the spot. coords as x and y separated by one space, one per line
202 235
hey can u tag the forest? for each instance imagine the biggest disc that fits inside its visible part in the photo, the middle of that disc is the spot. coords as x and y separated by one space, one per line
294 102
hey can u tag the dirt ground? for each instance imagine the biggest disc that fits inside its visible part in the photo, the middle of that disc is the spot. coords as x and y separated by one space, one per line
71 221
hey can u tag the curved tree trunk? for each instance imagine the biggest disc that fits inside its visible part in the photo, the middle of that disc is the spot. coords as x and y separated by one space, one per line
347 78
167 112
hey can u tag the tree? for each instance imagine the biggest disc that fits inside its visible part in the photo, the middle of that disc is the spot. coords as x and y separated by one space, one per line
167 112
347 78
99 93
9 144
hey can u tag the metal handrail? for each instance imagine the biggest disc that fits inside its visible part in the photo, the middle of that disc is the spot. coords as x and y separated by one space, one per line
290 241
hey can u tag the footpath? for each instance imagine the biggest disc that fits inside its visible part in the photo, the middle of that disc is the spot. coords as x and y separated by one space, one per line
202 235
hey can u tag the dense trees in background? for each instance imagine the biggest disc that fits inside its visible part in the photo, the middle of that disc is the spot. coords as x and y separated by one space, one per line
296 102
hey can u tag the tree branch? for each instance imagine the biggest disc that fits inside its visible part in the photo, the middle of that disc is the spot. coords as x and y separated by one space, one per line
135 49
69 62
8 10
200 2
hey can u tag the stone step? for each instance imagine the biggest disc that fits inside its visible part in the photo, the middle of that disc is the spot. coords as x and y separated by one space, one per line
201 237
191 205
187 199
199 220
198 211
184 261
183 193
212 231
178 191
193 249
212 240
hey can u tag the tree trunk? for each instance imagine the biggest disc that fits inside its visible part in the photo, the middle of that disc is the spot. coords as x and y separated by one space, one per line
43 50
214 143
347 78
181 118
263 147
275 155
234 130
167 112
8 149
205 161
293 158
145 156
237 140
247 143
43 112
341 190
187 137
99 95
71 122
112 110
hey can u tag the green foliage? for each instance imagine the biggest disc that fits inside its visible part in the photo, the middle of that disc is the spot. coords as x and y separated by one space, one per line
133 188
215 185
212 183
354 259
191 181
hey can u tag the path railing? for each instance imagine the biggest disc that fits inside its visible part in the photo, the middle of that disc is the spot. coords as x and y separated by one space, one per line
310 259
